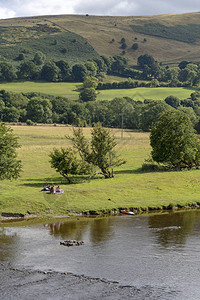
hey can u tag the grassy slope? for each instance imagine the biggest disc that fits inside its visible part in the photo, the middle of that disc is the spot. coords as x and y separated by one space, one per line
71 91
129 188
99 31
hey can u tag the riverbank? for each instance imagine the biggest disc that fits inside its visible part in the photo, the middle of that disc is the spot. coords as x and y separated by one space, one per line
131 188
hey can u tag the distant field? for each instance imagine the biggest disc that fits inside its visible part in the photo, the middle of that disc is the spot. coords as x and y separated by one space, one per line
71 91
129 188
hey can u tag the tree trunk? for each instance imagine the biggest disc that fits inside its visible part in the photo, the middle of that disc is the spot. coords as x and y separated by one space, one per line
68 179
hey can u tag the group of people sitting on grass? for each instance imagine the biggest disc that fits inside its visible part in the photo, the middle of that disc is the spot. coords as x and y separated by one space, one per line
52 189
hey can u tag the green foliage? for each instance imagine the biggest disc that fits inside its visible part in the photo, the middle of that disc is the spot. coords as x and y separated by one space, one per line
79 71
10 167
65 73
88 94
65 162
100 151
188 33
90 82
173 101
145 60
28 70
50 72
39 58
7 72
174 142
39 110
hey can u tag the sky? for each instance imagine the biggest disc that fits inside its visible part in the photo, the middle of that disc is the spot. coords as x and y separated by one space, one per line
25 8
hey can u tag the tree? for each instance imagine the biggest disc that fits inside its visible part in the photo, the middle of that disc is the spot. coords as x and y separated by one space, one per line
174 142
79 71
90 82
135 46
65 162
65 70
50 72
39 58
10 167
173 101
100 151
7 72
39 110
145 59
88 94
28 70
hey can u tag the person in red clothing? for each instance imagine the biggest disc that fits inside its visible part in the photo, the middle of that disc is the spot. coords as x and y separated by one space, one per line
52 189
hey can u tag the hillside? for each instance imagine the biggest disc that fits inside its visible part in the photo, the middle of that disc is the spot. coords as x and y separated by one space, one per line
169 38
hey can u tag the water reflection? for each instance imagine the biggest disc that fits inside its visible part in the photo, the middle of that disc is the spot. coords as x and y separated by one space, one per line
100 229
172 229
8 244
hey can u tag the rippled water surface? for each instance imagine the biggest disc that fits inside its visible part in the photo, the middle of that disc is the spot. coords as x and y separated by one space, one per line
159 251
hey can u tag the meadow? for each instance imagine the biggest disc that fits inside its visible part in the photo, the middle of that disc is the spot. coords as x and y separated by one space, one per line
130 188
71 90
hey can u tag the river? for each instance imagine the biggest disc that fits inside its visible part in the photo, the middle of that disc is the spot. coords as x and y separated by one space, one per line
155 256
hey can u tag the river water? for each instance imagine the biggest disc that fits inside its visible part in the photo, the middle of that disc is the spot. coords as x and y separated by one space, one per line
157 252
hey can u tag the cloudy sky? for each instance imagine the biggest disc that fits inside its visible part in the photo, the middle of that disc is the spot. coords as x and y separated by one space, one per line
19 8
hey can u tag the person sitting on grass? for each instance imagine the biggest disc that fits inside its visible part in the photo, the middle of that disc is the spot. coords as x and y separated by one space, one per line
58 189
52 189
46 187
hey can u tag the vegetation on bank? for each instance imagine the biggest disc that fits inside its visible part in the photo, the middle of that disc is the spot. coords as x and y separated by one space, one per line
130 188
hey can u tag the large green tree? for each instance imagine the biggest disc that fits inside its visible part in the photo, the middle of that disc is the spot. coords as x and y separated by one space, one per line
174 142
100 151
10 167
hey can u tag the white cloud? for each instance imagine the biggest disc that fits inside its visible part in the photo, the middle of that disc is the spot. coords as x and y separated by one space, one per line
17 8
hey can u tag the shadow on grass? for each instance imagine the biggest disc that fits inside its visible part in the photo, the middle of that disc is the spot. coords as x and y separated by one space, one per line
40 182
141 171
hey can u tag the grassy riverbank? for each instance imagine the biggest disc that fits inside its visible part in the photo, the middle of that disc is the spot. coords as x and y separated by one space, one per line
130 188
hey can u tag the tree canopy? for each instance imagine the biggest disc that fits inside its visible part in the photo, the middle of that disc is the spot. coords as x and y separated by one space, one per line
174 142
10 167
100 151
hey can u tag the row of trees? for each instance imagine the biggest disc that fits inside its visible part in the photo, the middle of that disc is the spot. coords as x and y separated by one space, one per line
185 72
52 71
36 108
38 69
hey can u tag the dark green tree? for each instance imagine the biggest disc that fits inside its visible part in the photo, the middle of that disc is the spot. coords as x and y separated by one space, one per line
135 46
88 94
10 167
174 142
50 72
173 101
65 71
79 71
39 110
7 72
10 114
39 58
28 70
145 60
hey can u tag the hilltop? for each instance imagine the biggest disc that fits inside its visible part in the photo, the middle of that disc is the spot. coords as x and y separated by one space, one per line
168 38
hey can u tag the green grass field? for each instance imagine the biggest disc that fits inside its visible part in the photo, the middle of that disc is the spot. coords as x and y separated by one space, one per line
71 90
129 188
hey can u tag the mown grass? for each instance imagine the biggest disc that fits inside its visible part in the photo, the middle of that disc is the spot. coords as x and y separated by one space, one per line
71 90
130 187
